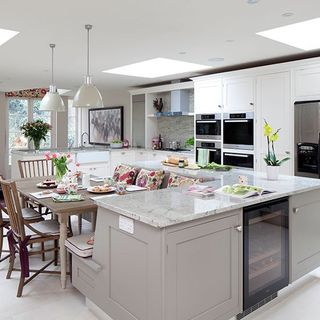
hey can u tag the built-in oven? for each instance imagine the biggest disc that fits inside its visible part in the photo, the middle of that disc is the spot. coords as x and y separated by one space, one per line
207 152
265 252
244 160
238 130
208 126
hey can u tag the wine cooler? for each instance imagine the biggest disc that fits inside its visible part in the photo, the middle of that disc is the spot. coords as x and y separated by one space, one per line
266 252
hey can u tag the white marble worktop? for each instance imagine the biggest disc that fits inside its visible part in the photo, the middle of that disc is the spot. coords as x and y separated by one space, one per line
167 207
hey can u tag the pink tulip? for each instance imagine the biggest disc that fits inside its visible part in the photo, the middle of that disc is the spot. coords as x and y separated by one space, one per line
54 156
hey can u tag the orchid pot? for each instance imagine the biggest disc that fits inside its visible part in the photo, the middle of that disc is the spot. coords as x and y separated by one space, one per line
273 163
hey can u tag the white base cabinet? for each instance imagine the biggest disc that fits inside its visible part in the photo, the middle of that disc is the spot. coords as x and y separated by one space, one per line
304 235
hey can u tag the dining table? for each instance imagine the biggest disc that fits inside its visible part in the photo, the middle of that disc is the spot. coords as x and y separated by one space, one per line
63 210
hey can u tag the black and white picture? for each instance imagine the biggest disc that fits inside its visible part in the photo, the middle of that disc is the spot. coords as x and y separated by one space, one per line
105 125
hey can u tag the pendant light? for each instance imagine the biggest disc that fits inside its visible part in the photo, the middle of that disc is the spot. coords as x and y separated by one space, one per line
52 100
88 95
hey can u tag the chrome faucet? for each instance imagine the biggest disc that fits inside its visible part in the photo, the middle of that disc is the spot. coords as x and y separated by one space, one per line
82 139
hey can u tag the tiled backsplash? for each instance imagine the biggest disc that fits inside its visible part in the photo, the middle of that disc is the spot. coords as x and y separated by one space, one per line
176 129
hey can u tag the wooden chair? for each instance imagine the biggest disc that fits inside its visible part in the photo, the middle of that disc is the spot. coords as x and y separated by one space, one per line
28 214
4 224
23 234
35 168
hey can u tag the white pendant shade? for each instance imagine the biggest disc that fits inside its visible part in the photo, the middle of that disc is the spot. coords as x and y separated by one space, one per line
52 102
87 96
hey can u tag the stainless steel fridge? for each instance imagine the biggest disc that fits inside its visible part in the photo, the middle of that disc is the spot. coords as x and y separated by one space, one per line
307 133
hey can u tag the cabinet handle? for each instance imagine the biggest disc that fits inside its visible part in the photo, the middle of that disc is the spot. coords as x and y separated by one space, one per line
123 152
251 103
220 106
295 210
238 228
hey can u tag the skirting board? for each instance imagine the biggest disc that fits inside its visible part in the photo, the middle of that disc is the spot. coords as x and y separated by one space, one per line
99 313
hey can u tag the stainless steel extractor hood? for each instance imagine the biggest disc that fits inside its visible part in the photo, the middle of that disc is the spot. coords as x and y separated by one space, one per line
179 104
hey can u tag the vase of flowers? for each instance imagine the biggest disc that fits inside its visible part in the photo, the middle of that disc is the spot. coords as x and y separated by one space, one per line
273 163
36 131
60 162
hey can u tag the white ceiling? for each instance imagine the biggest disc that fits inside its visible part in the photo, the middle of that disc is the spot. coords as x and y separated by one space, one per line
128 31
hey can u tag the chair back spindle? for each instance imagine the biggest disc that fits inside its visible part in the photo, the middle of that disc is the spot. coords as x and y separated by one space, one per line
35 168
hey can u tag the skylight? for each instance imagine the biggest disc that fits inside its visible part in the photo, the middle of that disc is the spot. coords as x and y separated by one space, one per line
6 35
158 67
303 35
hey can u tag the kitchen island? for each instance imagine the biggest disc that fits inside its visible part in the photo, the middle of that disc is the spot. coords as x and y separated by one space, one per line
167 255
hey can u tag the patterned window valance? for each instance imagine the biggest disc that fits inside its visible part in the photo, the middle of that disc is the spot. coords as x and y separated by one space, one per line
28 93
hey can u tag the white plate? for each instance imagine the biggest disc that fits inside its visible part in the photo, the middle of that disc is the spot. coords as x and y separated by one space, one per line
111 189
133 188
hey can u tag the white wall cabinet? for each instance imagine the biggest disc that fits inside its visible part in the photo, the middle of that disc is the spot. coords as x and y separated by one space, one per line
307 81
208 96
238 94
273 104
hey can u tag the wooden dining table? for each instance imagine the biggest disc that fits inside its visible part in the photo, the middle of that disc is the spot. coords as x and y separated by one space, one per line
62 210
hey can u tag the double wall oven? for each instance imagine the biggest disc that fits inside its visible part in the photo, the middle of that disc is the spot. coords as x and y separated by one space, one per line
238 139
212 151
238 130
208 126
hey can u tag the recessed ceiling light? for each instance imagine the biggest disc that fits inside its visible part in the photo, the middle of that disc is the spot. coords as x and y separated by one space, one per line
158 67
182 52
287 14
230 40
6 35
302 35
216 59
252 1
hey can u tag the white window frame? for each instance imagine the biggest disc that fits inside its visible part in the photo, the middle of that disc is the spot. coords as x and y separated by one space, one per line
30 118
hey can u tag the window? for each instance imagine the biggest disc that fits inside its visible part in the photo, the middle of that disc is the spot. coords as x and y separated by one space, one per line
18 115
72 125
21 111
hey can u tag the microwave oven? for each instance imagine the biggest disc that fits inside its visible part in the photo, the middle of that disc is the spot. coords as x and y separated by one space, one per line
208 126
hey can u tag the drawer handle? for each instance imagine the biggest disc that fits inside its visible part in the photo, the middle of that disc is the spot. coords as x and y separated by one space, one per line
123 152
238 228
295 210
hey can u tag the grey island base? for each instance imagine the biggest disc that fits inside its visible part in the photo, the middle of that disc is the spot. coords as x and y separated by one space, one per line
166 255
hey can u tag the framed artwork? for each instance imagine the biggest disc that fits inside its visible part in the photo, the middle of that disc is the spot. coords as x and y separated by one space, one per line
105 125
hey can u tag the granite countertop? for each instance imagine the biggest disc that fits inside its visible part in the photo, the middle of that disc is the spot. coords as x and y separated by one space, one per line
167 207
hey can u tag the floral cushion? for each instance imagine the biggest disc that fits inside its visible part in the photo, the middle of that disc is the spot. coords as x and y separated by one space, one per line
179 181
125 174
151 180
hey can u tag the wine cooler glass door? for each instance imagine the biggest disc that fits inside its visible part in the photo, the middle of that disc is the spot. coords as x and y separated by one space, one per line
265 251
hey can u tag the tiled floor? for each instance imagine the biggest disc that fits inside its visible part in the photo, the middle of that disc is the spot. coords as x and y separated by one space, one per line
44 299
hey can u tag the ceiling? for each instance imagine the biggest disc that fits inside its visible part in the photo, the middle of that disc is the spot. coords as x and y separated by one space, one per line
130 31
